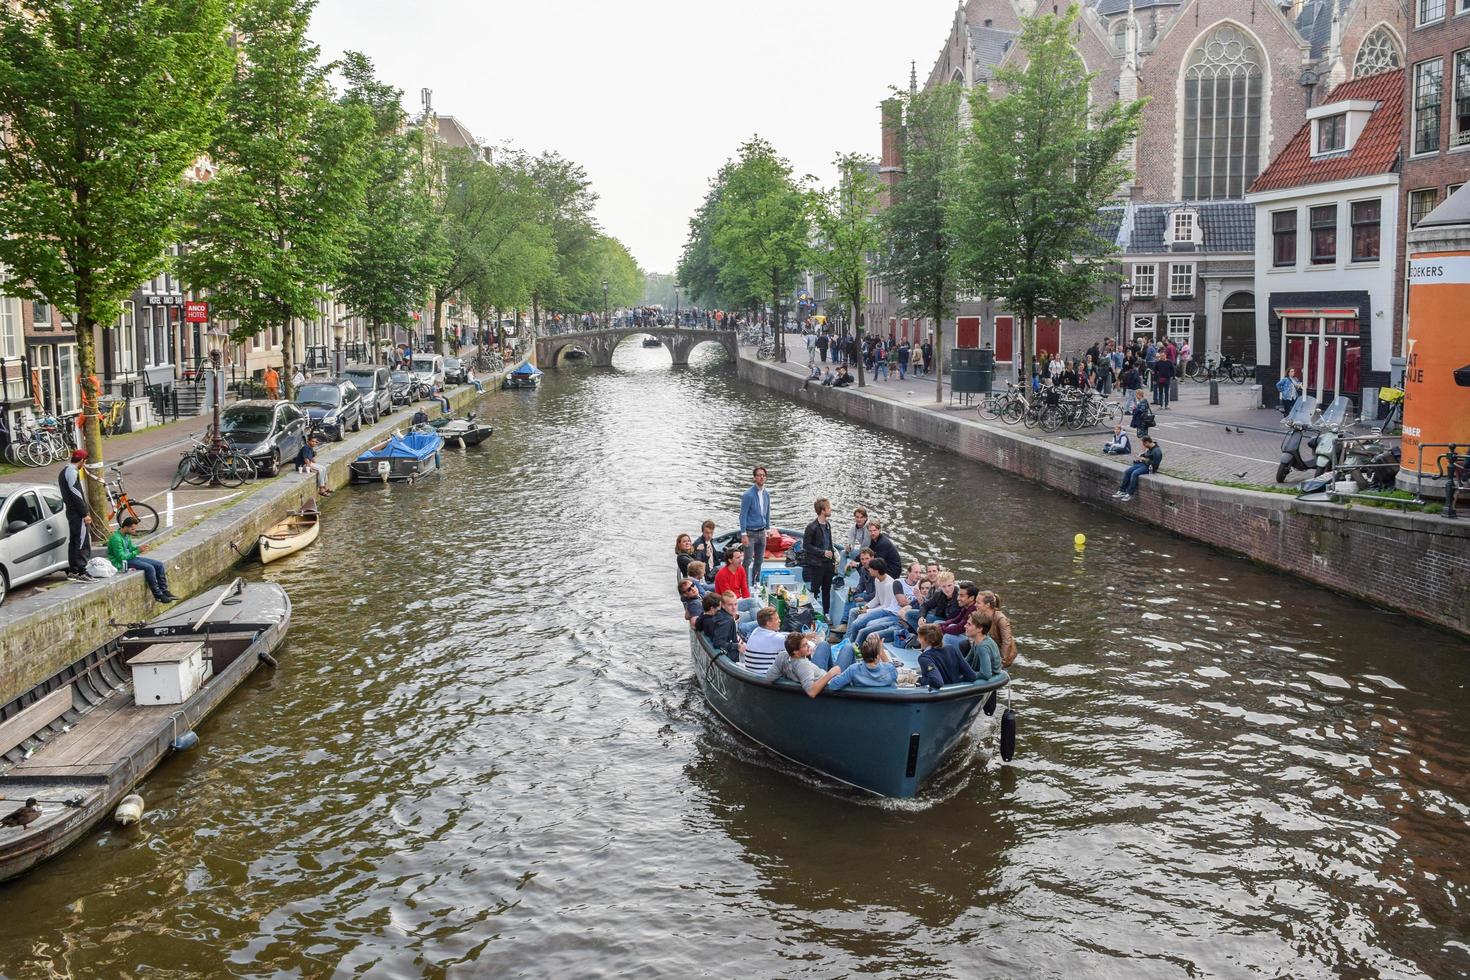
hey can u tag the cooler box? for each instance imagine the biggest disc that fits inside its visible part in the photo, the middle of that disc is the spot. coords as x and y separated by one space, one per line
167 673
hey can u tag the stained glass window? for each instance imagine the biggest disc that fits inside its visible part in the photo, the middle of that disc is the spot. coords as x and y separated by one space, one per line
1223 92
1378 52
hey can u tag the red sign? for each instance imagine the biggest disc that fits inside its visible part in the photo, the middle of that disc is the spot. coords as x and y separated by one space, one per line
196 312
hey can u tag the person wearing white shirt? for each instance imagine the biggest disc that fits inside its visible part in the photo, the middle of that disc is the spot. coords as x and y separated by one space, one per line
884 606
762 645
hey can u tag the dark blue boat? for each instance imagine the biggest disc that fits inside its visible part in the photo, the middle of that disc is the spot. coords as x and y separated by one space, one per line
887 741
523 375
402 458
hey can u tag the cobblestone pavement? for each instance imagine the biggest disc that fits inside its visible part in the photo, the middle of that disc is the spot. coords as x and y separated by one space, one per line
1232 442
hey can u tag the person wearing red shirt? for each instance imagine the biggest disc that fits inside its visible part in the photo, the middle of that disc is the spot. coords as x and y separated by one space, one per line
732 576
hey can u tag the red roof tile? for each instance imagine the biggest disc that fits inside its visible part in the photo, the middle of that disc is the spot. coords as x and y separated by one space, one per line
1375 152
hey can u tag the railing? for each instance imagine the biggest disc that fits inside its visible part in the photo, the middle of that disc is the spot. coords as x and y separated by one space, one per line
1452 466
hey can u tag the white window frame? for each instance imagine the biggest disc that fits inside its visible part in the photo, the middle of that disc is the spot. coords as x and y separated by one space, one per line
1145 272
10 332
1188 279
1143 323
127 339
1339 121
1185 324
1414 109
67 378
1420 6
1184 226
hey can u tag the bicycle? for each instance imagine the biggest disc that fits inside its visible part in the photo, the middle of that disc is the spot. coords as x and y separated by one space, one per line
111 419
766 351
121 505
213 462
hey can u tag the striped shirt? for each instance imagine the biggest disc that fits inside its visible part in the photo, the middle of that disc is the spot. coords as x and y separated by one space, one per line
761 648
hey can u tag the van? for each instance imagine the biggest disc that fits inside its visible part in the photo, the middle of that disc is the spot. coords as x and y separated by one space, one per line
377 392
429 368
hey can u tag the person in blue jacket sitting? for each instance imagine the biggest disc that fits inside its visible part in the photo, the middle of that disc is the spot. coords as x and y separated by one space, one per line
940 665
1119 445
876 669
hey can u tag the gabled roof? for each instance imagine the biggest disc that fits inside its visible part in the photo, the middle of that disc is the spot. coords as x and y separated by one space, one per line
990 45
1109 8
1375 152
1140 229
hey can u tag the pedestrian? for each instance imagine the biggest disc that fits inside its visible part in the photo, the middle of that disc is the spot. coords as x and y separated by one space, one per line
823 342
78 520
1143 416
903 360
297 379
1289 389
124 554
306 463
1163 378
755 520
272 381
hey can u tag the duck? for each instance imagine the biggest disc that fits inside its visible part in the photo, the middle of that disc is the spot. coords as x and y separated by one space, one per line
22 817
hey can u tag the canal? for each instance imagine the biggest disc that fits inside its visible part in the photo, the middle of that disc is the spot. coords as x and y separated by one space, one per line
484 753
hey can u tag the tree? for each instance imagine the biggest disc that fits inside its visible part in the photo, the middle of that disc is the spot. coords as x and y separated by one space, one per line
1039 162
391 257
917 262
762 226
847 233
567 200
273 227
105 103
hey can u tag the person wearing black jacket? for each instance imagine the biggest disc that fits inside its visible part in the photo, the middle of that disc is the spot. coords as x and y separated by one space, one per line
819 555
883 547
78 518
706 551
942 605
717 624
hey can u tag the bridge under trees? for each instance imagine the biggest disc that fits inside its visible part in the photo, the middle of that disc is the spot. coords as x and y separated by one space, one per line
600 344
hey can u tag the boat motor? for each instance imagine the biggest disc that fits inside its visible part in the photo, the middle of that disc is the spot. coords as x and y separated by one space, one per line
1299 448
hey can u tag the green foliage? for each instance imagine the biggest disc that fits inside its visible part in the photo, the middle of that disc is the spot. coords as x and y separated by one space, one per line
658 290
1039 162
762 226
391 254
918 257
699 267
567 202
847 232
105 102
273 227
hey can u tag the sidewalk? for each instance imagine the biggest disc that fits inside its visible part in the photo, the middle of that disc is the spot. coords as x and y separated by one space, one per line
1232 442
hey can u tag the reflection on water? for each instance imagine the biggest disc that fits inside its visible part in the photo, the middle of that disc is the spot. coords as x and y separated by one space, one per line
483 753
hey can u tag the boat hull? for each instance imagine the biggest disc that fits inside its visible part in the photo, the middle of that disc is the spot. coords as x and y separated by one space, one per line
400 469
275 545
100 792
888 741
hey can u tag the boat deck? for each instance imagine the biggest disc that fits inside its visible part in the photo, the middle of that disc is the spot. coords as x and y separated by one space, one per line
105 738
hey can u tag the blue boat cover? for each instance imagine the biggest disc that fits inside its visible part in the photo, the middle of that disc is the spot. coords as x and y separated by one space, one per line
415 445
525 369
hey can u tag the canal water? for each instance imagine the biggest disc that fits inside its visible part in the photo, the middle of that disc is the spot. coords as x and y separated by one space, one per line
484 754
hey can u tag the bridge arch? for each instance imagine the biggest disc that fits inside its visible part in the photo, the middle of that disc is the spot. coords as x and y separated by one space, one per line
600 344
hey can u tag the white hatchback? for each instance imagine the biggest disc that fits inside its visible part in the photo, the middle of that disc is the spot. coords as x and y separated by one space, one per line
32 533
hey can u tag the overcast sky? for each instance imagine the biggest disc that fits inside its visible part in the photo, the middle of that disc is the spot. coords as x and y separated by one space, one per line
651 96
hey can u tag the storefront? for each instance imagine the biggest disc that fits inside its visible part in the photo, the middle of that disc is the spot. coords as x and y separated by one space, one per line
1325 346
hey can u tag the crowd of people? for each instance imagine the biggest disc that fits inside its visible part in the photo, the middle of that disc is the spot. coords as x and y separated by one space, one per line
958 628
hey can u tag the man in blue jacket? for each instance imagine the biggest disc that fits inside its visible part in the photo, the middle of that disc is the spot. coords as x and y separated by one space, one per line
755 519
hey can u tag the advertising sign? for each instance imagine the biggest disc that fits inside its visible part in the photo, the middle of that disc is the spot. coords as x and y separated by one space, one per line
1436 410
196 312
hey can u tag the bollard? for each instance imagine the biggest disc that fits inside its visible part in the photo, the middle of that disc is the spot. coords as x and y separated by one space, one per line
1214 392
168 510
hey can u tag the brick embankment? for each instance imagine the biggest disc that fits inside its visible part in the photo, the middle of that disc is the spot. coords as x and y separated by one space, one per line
43 632
1413 563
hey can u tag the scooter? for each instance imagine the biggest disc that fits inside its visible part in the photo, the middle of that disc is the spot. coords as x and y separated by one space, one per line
1299 448
1337 420
1373 464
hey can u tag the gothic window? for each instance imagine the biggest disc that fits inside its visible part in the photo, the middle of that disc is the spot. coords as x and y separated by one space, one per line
1378 52
1224 87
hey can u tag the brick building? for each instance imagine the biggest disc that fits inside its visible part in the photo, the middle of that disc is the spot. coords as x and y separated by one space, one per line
1436 133
1229 83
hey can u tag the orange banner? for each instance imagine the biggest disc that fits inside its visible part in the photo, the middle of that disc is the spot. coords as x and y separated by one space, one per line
1436 410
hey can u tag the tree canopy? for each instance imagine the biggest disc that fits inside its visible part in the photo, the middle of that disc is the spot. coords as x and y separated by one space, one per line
847 233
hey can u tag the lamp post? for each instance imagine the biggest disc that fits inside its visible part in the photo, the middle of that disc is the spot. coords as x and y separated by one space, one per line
1125 294
216 343
339 364
604 305
676 305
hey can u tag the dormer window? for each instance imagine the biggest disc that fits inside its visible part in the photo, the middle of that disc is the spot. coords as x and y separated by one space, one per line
1332 133
1184 230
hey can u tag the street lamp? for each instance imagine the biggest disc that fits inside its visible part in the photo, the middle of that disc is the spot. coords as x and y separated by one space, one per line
339 334
604 304
1125 294
676 305
216 341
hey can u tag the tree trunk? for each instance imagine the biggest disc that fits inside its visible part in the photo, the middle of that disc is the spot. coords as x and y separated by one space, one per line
288 357
1023 368
857 338
438 322
938 359
91 426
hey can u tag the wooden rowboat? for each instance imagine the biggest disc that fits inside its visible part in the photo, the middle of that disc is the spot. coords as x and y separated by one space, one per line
290 536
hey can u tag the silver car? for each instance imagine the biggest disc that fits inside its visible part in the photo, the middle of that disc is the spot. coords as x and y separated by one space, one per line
32 533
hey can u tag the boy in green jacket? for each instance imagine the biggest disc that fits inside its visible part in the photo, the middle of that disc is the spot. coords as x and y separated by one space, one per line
123 552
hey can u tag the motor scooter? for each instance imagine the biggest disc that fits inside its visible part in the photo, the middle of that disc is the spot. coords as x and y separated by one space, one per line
1373 464
1333 423
1299 448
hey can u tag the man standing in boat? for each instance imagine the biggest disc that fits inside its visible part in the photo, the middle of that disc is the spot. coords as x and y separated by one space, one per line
755 519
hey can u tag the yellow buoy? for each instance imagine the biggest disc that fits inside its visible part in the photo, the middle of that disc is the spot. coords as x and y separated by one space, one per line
1080 539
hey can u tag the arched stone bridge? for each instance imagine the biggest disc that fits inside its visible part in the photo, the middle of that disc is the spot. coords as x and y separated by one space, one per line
600 344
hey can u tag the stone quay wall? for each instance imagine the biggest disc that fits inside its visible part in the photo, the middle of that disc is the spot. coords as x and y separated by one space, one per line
1417 564
80 619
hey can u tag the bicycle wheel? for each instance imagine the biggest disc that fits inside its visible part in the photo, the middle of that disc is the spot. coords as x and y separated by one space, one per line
1191 369
1031 418
144 514
244 466
35 453
1051 419
1012 411
1077 417
227 472
1239 373
987 407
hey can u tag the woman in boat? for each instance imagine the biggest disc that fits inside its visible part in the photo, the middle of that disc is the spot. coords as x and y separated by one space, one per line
124 554
683 553
978 648
1000 627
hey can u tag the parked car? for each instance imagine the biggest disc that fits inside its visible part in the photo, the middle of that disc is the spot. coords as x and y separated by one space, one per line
270 433
32 533
456 371
429 369
334 406
405 387
375 387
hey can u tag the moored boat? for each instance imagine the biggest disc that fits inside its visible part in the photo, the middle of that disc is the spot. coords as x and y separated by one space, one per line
523 375
81 740
462 432
887 741
399 458
289 536
652 342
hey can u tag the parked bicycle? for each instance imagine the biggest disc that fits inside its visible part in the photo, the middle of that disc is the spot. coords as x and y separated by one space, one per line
43 442
1219 370
120 505
213 462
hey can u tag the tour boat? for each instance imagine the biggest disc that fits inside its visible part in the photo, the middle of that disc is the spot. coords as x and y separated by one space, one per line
289 536
84 738
887 741
652 342
399 458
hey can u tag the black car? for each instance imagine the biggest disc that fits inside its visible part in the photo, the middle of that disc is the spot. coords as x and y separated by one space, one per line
270 433
405 387
376 390
456 371
334 407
